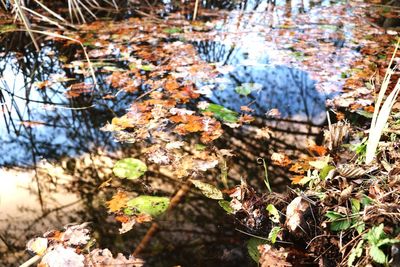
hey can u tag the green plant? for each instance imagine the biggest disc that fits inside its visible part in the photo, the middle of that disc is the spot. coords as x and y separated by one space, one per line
340 222
360 149
377 238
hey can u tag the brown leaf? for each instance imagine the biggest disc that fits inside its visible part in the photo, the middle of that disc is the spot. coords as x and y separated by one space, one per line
271 257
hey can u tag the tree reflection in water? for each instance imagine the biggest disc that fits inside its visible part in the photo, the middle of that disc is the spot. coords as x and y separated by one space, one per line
61 157
291 91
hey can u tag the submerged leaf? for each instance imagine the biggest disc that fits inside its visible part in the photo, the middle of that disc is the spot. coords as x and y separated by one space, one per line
150 205
242 90
208 190
129 168
222 113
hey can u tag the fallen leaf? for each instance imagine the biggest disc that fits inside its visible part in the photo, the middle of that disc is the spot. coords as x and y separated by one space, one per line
129 168
117 202
150 205
208 190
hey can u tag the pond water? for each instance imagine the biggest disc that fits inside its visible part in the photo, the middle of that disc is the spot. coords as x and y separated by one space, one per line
54 155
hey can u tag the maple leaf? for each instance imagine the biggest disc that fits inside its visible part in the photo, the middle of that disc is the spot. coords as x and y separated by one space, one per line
118 201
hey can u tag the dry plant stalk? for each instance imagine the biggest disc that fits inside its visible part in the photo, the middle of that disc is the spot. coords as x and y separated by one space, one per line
381 114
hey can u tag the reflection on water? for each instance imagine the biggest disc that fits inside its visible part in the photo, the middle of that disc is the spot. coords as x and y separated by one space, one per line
281 89
54 156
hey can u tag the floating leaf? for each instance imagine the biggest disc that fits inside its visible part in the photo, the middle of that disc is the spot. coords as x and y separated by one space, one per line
150 205
246 88
208 190
173 30
242 90
129 168
222 113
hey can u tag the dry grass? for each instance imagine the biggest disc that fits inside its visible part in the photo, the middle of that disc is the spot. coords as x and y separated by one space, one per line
382 113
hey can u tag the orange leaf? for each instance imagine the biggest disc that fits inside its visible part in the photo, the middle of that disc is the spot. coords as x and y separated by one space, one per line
117 202
171 85
246 118
318 150
296 179
280 159
141 218
122 218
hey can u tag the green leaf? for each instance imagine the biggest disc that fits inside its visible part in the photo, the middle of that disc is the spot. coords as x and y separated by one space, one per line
340 225
387 241
377 254
355 205
208 190
226 205
325 170
150 205
274 234
360 227
242 90
200 147
128 211
129 168
365 114
365 200
355 253
252 245
173 30
246 88
147 67
273 212
222 113
333 215
338 221
375 234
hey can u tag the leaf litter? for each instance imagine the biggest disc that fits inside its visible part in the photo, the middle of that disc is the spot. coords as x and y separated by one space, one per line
332 216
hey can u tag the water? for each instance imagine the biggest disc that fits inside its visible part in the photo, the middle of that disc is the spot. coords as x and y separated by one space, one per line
54 155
